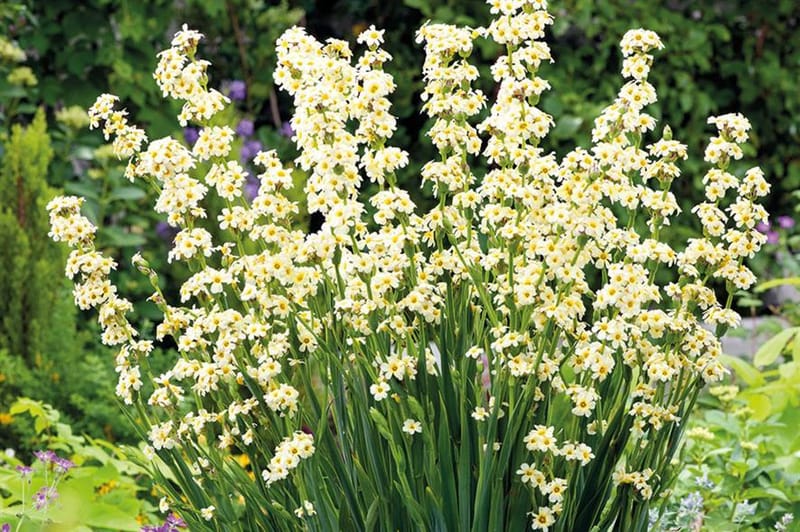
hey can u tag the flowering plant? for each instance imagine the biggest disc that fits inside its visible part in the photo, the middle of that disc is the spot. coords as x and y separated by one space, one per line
73 483
741 457
524 353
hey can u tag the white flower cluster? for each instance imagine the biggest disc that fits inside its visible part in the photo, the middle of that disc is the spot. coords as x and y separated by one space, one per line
637 479
127 139
288 455
93 288
181 76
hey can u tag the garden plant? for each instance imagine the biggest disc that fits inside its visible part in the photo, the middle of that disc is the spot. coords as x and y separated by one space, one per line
72 483
523 354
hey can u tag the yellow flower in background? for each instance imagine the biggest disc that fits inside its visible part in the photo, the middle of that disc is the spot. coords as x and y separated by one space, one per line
22 76
10 52
74 117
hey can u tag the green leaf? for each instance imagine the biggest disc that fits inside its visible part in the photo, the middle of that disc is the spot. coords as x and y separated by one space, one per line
791 370
81 189
773 283
23 404
750 375
771 350
127 193
796 349
761 405
117 237
381 423
765 493
83 152
567 126
43 415
424 6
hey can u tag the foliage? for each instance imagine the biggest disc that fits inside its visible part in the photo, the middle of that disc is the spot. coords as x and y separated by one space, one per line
742 456
111 45
35 315
41 353
509 352
31 287
78 484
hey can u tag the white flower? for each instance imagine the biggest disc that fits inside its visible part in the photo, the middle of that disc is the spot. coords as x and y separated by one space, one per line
411 426
207 513
371 37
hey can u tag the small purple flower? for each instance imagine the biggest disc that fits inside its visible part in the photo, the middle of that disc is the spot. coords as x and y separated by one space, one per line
251 187
286 130
692 503
5 528
773 237
166 232
175 521
763 227
63 465
156 528
172 524
237 90
43 497
191 134
250 149
245 128
24 471
45 456
705 482
785 222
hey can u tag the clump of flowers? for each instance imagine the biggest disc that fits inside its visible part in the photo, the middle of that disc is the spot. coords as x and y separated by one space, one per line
52 469
505 360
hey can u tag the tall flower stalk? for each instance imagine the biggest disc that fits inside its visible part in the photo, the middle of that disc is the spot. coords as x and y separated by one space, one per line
509 359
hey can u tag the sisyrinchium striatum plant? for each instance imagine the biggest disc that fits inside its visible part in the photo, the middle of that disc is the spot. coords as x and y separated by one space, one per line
523 354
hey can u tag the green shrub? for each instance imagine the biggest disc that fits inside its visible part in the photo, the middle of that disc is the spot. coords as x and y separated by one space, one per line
742 456
41 353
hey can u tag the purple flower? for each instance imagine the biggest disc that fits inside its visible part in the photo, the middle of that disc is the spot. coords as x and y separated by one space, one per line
43 497
45 456
166 232
773 237
705 482
5 528
191 134
692 504
62 465
237 90
245 128
286 130
786 222
175 521
763 227
251 187
172 524
24 471
156 528
250 149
